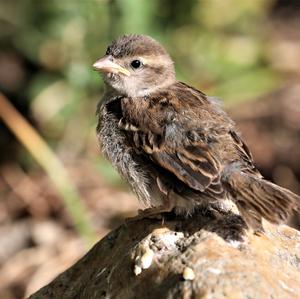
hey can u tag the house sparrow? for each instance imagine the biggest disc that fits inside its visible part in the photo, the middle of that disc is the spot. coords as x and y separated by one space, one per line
174 145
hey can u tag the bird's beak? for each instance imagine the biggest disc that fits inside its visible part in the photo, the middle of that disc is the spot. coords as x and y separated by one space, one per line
106 65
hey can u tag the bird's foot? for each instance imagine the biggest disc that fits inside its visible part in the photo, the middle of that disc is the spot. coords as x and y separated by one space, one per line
150 213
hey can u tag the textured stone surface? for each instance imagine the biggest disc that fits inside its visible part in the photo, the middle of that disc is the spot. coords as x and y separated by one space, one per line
207 256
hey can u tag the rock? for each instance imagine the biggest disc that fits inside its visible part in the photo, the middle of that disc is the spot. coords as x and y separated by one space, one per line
209 255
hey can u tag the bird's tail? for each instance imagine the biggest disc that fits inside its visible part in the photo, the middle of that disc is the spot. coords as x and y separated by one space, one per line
257 198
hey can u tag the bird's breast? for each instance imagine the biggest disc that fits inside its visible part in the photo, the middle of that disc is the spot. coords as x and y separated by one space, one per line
115 147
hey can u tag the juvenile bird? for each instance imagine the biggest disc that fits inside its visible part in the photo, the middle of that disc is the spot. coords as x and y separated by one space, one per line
175 145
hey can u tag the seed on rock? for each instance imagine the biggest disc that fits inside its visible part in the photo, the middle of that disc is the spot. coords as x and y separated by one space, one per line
188 274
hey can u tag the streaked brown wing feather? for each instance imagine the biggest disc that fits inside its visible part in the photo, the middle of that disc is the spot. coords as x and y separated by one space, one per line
194 164
242 147
244 153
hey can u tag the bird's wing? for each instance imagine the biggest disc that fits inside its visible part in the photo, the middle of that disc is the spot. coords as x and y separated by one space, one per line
244 153
193 164
168 136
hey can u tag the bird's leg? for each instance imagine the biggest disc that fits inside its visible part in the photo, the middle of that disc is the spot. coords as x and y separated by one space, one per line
155 212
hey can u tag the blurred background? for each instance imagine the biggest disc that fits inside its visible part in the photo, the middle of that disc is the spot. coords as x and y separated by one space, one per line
58 196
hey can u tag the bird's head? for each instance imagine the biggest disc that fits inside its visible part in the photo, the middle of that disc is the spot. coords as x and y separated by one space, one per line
136 66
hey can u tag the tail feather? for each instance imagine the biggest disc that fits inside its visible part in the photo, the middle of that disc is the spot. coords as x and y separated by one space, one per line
257 198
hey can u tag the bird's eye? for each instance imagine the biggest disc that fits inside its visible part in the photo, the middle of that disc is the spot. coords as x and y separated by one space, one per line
136 64
108 51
